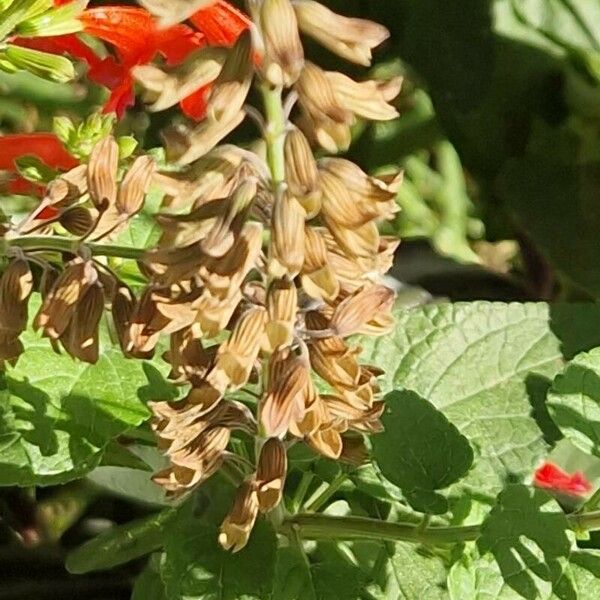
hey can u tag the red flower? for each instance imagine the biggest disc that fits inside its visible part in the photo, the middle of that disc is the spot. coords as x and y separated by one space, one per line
137 40
44 146
553 478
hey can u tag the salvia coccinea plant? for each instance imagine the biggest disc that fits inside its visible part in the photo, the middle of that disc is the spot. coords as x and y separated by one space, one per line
264 279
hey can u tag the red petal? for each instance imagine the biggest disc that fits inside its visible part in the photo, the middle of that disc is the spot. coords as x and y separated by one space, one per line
109 73
131 30
553 478
45 146
20 186
48 212
175 43
121 98
221 23
194 105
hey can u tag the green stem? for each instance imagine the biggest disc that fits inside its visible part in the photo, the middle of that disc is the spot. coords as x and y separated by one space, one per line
55 243
275 131
326 494
320 526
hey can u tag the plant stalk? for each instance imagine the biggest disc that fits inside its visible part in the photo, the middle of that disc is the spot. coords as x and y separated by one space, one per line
54 243
320 526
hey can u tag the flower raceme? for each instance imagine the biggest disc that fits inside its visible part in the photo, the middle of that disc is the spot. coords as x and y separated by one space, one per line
137 39
269 260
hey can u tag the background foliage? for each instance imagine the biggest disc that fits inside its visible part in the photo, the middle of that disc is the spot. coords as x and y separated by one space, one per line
499 139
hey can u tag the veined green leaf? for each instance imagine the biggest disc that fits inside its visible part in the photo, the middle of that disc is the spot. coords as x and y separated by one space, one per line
486 366
574 401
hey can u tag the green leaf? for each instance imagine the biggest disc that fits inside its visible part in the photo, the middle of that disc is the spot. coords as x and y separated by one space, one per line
57 415
197 568
420 451
480 365
529 537
574 401
120 544
411 574
143 231
325 575
480 578
149 585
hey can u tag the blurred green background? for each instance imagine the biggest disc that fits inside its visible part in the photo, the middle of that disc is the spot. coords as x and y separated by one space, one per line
499 139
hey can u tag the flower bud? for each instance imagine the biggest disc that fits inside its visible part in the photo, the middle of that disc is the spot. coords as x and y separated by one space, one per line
284 54
350 38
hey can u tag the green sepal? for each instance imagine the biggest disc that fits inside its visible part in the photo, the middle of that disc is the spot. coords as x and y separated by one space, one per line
127 145
48 66
33 169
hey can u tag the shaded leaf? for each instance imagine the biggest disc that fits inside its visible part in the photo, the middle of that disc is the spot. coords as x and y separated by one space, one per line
420 450
120 544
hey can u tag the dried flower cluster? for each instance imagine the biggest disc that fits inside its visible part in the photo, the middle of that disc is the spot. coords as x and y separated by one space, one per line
268 261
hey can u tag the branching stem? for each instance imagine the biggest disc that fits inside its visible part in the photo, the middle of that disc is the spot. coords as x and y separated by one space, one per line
320 526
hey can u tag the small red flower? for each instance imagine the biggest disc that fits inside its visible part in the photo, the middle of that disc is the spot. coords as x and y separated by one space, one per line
44 146
553 478
137 40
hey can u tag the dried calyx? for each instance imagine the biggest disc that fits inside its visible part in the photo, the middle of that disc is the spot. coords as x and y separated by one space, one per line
283 254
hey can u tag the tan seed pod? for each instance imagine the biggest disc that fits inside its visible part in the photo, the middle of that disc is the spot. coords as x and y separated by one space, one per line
302 175
60 304
236 528
284 55
227 225
233 83
360 308
366 99
283 402
287 237
166 87
102 173
16 286
185 146
80 338
318 278
270 474
135 186
326 441
123 304
236 356
77 220
282 306
350 38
